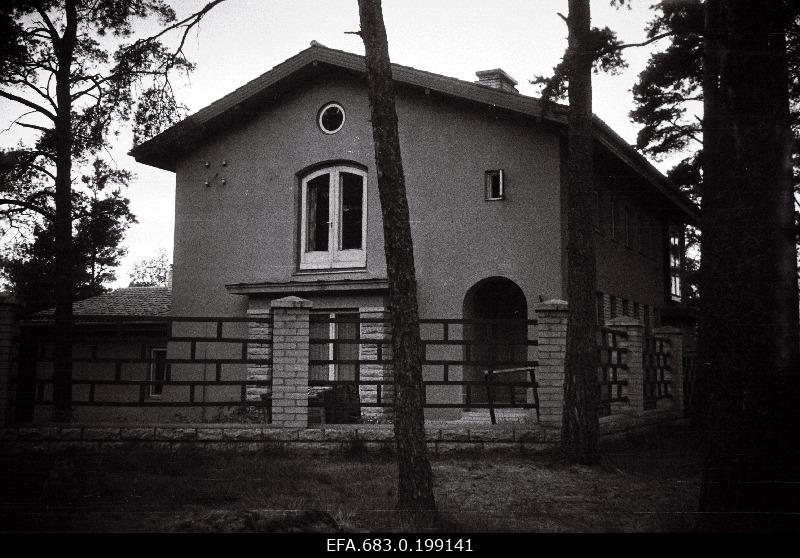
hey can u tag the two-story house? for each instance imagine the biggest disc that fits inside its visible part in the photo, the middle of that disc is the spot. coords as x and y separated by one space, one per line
277 195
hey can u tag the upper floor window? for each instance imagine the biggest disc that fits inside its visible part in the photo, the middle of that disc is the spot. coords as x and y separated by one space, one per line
644 237
597 214
494 184
626 215
612 219
675 261
333 218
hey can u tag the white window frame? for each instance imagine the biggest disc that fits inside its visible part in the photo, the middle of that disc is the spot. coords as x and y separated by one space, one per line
489 174
322 111
334 257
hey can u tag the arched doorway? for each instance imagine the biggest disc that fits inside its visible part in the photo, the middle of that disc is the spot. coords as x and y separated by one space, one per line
497 332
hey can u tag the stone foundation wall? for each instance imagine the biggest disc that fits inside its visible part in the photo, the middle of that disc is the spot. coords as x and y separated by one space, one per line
378 439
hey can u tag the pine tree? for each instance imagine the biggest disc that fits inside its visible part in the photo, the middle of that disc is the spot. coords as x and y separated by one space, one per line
57 65
415 484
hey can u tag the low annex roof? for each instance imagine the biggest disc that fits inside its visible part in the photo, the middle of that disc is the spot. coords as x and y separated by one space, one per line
163 150
130 301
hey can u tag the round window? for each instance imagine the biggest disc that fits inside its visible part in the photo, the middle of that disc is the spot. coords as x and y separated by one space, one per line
331 118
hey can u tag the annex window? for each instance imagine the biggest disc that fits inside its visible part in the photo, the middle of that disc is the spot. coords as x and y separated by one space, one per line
495 184
157 371
333 218
331 118
675 261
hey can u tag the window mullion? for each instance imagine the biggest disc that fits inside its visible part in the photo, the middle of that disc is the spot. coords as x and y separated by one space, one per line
333 233
335 214
332 347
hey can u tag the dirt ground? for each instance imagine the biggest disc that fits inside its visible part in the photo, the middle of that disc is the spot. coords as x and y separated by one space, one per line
648 483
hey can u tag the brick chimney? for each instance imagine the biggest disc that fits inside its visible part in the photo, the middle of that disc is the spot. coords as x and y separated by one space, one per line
497 79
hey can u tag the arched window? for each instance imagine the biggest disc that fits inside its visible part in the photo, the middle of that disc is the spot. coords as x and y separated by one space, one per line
333 218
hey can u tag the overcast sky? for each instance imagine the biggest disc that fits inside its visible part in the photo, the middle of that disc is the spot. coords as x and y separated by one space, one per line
241 39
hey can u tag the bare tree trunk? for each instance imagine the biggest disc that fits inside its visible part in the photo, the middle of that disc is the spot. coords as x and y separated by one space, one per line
580 421
415 486
749 301
62 363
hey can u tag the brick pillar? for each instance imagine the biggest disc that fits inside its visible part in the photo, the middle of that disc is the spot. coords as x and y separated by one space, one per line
258 330
290 333
633 358
675 336
551 330
606 307
8 331
376 372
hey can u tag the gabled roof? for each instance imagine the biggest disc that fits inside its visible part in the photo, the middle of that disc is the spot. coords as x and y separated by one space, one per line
163 150
131 301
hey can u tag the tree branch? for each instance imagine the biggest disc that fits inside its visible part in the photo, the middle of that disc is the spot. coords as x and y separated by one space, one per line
29 104
188 22
29 206
36 153
43 170
50 27
648 41
33 126
96 80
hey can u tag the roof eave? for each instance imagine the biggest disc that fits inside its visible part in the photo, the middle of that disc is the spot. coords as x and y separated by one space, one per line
636 161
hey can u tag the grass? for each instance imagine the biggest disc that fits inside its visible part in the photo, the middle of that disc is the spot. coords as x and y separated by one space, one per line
643 484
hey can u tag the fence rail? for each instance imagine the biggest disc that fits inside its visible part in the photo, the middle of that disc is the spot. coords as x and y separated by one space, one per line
351 365
203 362
116 364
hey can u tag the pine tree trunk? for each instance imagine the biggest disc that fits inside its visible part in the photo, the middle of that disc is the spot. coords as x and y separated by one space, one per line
749 302
580 420
62 358
415 486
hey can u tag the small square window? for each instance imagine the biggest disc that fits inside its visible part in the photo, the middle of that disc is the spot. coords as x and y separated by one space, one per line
494 184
